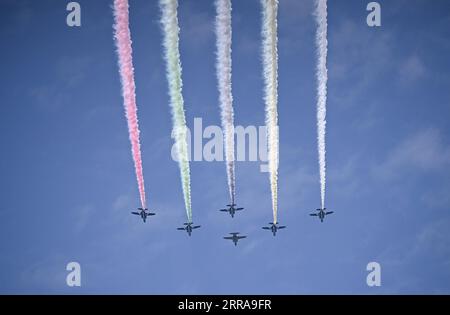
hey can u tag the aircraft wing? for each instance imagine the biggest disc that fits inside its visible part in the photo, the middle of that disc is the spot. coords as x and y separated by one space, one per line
136 213
196 227
266 228
313 214
223 210
150 213
239 237
329 212
181 229
228 237
237 209
282 227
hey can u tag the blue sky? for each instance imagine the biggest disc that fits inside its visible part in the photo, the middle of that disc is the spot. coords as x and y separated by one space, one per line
67 181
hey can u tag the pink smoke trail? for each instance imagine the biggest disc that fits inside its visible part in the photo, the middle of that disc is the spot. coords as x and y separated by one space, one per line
122 39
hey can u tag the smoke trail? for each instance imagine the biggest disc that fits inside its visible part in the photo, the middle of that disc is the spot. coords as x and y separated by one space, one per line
322 78
170 28
122 38
270 72
223 65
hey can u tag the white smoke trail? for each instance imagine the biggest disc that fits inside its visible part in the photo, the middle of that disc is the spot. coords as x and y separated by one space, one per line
223 65
322 78
270 72
171 30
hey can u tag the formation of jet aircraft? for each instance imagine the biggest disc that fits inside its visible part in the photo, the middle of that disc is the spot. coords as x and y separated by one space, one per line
231 209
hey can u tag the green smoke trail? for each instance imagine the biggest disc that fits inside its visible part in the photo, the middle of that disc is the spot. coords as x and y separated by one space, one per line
171 30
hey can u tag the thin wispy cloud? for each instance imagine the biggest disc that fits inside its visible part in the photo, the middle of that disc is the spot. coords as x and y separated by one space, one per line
411 70
425 150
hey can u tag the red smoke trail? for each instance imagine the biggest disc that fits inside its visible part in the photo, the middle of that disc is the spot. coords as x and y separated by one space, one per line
123 42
